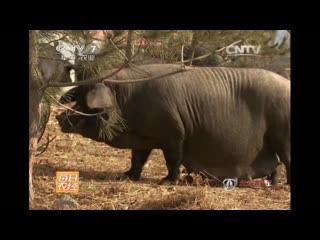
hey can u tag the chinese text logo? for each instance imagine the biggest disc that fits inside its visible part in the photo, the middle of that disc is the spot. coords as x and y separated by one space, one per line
67 182
74 52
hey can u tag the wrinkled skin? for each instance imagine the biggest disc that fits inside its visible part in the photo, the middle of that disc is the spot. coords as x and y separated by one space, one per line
229 122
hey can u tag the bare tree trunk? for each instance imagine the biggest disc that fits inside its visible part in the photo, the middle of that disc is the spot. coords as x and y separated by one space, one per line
194 43
34 101
130 46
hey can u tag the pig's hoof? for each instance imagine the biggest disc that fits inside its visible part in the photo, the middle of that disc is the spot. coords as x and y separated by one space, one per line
168 181
132 176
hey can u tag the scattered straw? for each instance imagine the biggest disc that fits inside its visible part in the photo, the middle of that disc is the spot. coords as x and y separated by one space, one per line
103 187
111 127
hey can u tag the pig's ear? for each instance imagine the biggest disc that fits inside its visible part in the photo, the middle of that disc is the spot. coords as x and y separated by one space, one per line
100 97
70 95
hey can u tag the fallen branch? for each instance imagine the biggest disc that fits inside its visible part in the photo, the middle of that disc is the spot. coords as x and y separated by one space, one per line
209 174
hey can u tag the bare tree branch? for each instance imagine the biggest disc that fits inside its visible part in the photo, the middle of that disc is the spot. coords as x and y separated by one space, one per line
147 79
35 96
206 55
182 48
81 113
205 172
46 145
129 58
103 53
85 82
96 80
121 53
221 49
46 120
104 79
197 58
51 41
56 59
130 44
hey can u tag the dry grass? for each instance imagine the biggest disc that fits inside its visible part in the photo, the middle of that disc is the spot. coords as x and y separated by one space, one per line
102 188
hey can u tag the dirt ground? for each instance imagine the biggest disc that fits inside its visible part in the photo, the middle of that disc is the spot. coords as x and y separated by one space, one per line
102 186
